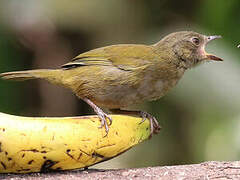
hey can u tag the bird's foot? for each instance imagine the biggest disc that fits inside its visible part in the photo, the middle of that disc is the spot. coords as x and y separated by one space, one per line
154 126
103 117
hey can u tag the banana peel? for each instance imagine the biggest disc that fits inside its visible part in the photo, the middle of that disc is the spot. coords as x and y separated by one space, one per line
34 144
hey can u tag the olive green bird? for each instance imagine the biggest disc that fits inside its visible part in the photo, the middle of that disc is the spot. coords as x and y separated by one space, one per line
117 76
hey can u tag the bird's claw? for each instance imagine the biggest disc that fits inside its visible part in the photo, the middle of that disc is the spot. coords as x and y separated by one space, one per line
103 117
154 126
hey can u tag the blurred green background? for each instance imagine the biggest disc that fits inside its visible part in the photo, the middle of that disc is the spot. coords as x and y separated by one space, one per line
200 117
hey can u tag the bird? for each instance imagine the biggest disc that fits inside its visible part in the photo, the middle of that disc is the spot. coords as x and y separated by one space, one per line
118 76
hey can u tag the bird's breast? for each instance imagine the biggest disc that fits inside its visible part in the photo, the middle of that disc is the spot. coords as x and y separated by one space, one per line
154 87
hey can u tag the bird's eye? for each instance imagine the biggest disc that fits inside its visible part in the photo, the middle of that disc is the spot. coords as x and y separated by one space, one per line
196 41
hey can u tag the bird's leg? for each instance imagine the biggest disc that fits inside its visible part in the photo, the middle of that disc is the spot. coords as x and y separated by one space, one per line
154 126
102 115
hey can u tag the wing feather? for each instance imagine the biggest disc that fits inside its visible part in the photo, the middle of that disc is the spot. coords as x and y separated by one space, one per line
125 57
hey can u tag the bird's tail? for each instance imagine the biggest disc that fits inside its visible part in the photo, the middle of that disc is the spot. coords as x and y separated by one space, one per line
51 75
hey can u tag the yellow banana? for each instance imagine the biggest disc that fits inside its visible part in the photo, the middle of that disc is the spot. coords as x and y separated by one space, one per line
29 144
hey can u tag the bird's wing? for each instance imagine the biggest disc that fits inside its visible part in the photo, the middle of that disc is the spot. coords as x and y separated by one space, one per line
126 57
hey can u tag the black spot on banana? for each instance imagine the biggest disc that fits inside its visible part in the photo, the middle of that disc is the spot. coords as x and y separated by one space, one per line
47 165
30 144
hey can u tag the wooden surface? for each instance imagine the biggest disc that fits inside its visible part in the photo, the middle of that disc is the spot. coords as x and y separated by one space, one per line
203 171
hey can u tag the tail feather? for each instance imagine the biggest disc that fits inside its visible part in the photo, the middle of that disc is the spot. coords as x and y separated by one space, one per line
17 75
48 74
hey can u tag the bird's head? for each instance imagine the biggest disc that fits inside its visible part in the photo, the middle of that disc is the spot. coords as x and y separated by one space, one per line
189 47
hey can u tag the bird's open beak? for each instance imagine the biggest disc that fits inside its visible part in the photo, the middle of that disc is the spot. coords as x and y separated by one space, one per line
211 56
